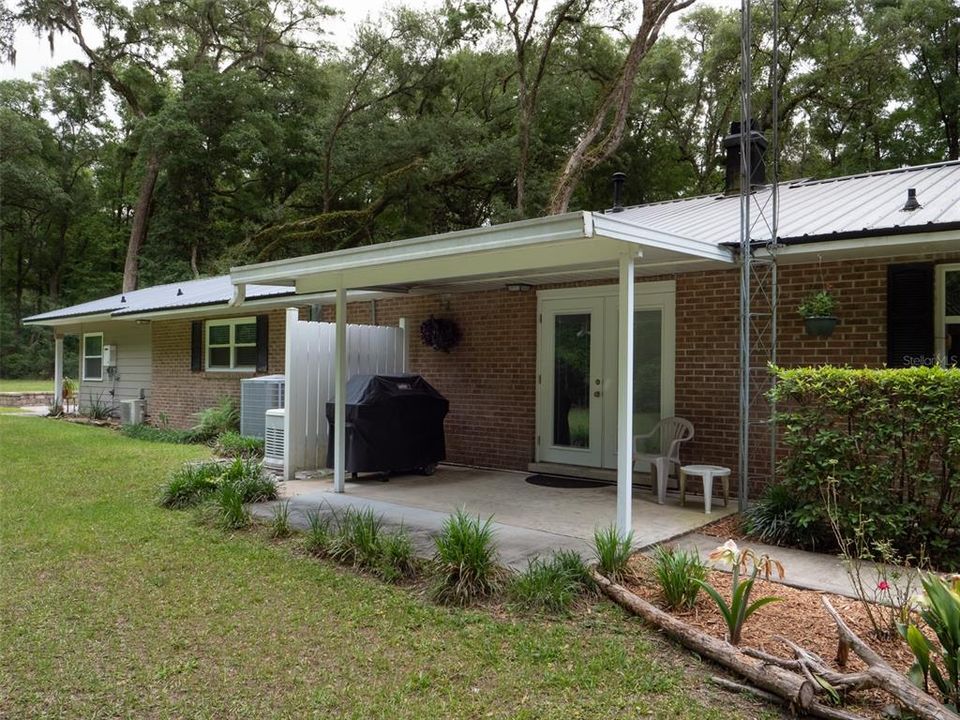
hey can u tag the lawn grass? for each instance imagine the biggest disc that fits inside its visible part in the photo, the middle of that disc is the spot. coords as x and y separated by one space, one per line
114 607
26 385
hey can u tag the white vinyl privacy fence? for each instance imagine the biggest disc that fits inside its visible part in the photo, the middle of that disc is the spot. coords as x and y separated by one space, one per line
310 349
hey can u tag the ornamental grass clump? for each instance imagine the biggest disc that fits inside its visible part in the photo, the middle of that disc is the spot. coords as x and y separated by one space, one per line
319 534
679 573
191 485
253 484
234 445
466 560
613 552
230 513
280 521
550 585
396 561
736 613
358 538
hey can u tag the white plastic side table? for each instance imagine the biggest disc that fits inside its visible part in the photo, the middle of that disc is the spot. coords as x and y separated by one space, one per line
707 473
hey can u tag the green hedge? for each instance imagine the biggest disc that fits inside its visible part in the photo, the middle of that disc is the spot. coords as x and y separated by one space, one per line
890 439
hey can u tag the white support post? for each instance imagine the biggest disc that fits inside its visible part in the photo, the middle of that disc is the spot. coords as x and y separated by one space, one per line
340 381
405 340
58 369
625 399
292 426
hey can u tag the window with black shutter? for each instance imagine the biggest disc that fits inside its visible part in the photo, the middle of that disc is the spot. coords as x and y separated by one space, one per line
910 315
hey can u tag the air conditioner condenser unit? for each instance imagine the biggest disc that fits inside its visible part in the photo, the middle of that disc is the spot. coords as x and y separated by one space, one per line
274 438
132 412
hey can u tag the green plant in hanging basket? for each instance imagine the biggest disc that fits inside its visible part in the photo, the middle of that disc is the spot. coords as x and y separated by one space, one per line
817 305
817 311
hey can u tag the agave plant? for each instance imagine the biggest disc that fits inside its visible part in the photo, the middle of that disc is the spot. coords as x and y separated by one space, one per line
736 612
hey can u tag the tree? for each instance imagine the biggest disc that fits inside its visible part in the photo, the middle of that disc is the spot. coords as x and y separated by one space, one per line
144 49
605 131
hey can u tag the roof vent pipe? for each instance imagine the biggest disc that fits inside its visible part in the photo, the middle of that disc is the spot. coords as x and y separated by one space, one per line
619 178
912 203
179 292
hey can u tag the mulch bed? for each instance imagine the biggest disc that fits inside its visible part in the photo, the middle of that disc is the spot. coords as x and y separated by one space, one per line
799 616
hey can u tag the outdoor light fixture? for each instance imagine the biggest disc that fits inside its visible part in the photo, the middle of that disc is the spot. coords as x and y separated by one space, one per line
518 287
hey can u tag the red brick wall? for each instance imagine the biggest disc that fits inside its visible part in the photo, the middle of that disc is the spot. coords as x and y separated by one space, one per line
179 393
707 341
488 378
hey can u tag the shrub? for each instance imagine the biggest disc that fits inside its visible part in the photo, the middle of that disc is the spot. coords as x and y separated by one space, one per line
221 418
149 433
231 513
780 517
679 573
889 440
550 585
396 558
280 522
613 551
358 538
466 560
191 485
235 445
251 482
318 532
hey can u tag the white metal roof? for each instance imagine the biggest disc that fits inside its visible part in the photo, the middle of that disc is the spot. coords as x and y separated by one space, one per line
190 293
869 203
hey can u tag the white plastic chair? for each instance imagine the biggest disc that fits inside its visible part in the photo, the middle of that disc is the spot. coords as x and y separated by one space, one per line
673 432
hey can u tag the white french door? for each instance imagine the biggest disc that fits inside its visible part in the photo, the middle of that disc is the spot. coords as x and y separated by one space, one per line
578 369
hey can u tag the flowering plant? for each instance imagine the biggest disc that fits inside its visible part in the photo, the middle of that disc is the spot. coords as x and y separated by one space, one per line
740 608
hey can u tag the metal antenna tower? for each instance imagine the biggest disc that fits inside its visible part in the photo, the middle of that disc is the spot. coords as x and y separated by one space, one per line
759 215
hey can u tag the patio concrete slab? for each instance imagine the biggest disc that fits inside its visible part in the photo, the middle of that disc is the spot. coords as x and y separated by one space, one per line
530 520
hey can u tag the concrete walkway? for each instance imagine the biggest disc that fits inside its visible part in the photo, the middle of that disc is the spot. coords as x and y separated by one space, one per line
805 570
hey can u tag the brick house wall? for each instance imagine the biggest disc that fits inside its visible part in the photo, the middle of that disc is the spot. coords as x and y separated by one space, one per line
490 377
179 393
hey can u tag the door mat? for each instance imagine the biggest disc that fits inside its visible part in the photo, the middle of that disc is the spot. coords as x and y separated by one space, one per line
559 481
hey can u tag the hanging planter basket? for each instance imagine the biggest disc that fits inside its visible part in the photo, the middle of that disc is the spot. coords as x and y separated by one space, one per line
820 326
441 334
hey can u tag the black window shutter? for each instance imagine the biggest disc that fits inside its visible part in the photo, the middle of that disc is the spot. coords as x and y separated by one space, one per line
909 315
263 342
196 345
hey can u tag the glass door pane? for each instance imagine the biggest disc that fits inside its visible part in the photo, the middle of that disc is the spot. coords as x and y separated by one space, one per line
571 380
647 372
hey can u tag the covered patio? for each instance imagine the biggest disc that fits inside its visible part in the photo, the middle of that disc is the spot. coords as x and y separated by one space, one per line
575 248
530 519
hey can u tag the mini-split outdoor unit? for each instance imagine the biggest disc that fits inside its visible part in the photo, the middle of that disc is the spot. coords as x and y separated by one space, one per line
257 395
274 439
132 412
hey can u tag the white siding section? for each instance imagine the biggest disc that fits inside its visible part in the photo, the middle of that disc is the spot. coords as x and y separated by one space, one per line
133 373
310 382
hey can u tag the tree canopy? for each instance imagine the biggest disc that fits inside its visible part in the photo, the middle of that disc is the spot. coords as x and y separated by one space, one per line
199 134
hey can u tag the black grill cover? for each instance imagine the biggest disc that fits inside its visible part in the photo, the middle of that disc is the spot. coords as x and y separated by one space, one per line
394 423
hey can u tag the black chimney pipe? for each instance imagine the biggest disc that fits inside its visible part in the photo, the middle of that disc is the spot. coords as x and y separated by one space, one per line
912 203
758 169
619 178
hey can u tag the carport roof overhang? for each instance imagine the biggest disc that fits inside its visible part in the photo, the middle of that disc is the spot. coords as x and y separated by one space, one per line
536 248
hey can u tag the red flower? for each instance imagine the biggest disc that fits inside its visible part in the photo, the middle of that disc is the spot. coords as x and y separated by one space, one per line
883 585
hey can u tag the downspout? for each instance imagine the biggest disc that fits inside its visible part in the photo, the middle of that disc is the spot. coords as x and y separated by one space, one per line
239 295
